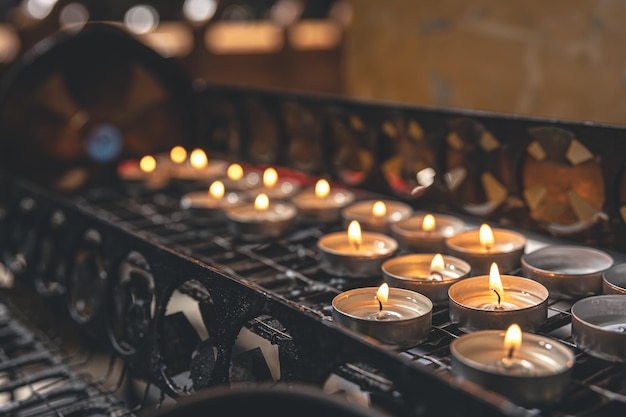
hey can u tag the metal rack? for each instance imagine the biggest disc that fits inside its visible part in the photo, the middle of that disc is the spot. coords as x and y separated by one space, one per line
274 289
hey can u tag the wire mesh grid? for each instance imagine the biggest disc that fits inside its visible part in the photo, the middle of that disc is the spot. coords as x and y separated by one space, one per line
288 268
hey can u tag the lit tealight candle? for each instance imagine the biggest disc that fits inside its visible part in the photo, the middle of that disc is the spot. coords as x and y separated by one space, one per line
210 203
425 232
355 254
197 166
178 154
275 187
147 170
396 317
428 274
530 370
376 215
494 302
321 203
261 219
482 247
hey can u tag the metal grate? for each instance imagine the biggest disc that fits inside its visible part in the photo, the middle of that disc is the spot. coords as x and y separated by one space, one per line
287 268
36 379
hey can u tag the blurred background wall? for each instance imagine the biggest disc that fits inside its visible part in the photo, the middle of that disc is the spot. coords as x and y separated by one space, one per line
557 58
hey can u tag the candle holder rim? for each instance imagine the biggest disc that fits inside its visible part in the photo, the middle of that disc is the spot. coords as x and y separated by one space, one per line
398 292
569 364
587 323
348 214
524 260
349 195
400 228
544 296
519 244
393 244
466 268
232 215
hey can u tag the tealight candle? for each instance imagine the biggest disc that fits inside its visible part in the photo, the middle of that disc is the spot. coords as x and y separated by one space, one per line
614 280
428 274
195 168
144 170
567 271
276 187
239 180
425 232
215 201
599 326
376 215
483 246
261 219
355 254
396 317
495 302
321 203
528 369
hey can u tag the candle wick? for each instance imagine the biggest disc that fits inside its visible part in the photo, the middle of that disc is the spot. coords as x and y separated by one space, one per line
380 308
497 295
511 350
435 276
357 246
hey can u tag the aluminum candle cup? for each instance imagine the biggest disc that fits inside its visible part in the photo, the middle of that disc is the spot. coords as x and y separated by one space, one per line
506 250
614 280
538 375
394 211
337 255
599 326
567 271
213 169
201 203
250 223
406 321
413 272
473 306
412 236
322 209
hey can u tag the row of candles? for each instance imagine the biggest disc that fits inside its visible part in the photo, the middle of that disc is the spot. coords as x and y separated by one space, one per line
483 305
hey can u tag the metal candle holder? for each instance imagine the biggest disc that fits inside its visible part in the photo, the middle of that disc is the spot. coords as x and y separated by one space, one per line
614 280
201 204
411 235
506 251
413 272
252 224
362 211
283 190
338 256
406 322
473 304
322 209
541 379
599 326
567 271
214 169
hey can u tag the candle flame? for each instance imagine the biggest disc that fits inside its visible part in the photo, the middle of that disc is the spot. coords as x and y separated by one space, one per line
234 172
178 154
429 224
512 339
198 159
147 163
216 190
261 202
437 264
270 177
354 234
379 209
495 283
485 234
383 293
322 188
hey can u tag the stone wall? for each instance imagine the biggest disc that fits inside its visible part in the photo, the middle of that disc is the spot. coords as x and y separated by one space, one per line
554 58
